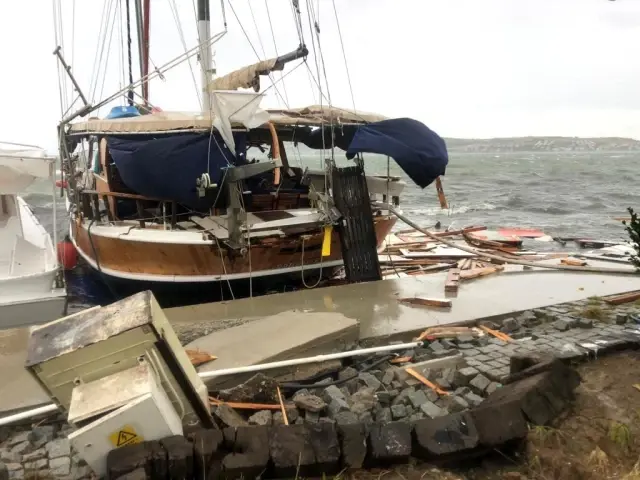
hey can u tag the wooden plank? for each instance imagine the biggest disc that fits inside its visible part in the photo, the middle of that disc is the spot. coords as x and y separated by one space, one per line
624 298
574 262
479 272
422 379
452 281
427 302
210 226
130 196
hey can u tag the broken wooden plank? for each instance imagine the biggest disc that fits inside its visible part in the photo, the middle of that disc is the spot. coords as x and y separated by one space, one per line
282 409
479 272
198 358
574 262
624 298
427 302
247 406
422 379
452 281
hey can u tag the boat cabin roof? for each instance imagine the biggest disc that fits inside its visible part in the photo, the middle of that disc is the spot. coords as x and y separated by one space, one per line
161 122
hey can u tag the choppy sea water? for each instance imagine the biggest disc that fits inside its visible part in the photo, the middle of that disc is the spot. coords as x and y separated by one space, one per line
563 194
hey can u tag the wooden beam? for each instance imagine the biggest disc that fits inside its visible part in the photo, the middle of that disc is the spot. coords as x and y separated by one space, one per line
427 302
96 206
452 281
624 298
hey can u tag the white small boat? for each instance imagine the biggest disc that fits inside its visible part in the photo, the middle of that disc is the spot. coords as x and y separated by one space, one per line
31 286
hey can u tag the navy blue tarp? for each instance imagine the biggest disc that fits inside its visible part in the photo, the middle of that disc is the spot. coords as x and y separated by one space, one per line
167 166
420 152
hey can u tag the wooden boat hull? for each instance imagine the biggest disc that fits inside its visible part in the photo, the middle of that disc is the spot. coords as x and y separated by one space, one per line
205 261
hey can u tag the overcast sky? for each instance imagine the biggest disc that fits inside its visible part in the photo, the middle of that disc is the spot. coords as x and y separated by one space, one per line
467 68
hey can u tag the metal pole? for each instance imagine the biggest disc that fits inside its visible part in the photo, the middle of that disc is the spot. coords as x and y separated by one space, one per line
139 29
67 68
206 57
305 360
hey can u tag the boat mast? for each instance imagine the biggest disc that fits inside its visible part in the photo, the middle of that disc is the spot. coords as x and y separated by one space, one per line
139 28
207 70
145 50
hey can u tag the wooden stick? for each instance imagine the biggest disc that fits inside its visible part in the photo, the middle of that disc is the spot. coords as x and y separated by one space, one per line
432 386
426 302
246 406
441 197
400 360
499 335
284 411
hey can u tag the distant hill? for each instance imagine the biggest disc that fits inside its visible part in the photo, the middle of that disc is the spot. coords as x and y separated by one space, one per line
542 144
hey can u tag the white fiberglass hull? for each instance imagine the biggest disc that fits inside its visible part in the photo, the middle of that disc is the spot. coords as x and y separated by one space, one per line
36 310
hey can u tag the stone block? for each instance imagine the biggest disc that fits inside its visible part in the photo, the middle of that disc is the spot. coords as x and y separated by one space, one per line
250 447
346 418
207 453
479 384
389 444
263 417
383 415
126 459
364 400
444 437
463 376
398 411
179 456
369 380
258 389
60 467
228 416
499 422
310 403
137 474
353 445
291 451
431 410
509 325
326 449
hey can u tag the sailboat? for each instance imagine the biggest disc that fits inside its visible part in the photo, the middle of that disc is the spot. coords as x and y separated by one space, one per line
31 285
174 197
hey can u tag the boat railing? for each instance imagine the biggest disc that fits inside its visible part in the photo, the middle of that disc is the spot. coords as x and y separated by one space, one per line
90 204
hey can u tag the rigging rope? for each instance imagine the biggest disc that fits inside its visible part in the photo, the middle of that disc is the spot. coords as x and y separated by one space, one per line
129 57
176 18
275 47
344 55
233 10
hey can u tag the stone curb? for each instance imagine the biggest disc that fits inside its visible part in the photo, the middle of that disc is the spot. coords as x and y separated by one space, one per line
543 390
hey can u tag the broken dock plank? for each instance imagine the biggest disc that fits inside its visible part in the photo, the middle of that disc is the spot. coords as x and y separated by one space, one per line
624 298
452 281
574 262
427 302
479 272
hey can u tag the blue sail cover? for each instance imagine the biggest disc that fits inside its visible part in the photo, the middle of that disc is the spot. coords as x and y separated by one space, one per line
167 166
419 151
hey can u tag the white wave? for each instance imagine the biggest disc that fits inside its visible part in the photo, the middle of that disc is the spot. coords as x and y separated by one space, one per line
452 210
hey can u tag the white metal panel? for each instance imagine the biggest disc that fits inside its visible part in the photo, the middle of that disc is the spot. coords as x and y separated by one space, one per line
150 416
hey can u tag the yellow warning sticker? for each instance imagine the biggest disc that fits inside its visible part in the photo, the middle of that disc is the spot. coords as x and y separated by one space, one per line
326 241
125 436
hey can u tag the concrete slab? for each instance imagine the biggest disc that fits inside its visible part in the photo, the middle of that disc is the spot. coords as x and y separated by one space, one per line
279 337
18 389
375 305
